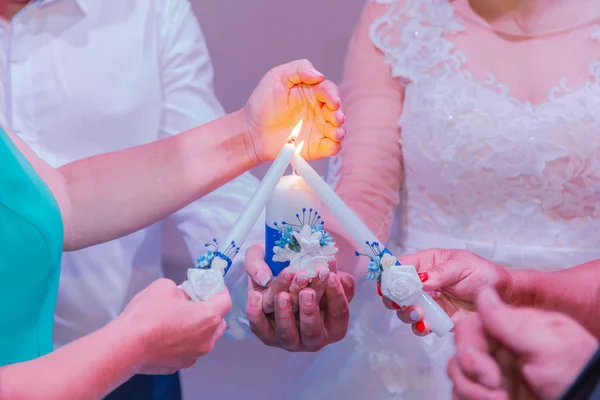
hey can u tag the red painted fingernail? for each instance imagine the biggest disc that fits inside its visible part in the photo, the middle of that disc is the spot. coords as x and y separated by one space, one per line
423 276
396 306
379 289
420 326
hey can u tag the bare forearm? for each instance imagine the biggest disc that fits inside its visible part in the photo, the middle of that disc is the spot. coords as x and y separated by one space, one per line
574 291
114 194
88 368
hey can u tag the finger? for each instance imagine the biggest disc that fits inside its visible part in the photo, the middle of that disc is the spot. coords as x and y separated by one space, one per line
312 329
281 284
286 330
426 261
473 349
332 265
259 323
328 93
421 328
335 118
479 367
335 133
325 147
301 71
442 275
256 268
348 283
511 327
301 281
319 284
411 314
219 304
219 331
466 389
185 295
389 304
337 310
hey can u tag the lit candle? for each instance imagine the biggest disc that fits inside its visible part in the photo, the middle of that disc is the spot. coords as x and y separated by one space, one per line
248 218
292 202
439 321
353 225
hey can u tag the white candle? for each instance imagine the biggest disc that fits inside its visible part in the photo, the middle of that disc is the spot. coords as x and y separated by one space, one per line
257 203
439 321
292 202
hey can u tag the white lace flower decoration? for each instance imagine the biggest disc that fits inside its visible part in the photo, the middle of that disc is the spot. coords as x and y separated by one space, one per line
401 284
202 284
388 261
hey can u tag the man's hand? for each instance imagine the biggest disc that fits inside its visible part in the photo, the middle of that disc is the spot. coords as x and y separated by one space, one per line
456 277
548 351
295 311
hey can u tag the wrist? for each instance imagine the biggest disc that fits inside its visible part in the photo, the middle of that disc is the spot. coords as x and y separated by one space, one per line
248 137
524 288
132 340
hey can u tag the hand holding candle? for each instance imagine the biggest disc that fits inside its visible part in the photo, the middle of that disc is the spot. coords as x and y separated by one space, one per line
439 321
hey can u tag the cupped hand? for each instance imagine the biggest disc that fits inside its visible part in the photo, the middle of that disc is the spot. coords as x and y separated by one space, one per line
174 331
295 311
548 351
285 95
455 278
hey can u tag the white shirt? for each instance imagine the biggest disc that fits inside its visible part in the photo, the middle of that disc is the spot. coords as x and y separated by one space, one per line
85 77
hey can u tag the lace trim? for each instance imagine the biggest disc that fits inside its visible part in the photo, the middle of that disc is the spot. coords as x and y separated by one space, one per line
334 171
411 37
411 34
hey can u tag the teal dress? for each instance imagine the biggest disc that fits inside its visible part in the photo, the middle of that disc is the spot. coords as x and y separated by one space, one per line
31 238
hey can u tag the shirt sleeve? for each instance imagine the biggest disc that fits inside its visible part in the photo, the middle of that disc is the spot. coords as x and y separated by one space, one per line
367 174
188 101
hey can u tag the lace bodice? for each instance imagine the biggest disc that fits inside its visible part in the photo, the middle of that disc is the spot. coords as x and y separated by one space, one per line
480 164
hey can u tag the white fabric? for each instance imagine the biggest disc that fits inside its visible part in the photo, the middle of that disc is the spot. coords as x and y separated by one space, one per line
84 77
515 182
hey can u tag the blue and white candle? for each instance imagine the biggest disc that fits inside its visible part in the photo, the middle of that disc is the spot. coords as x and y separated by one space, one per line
292 202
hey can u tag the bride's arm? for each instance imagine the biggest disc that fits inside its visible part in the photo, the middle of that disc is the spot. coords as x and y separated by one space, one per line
371 173
574 291
111 195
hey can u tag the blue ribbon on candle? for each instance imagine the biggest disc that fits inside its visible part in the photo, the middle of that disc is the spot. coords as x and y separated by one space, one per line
271 236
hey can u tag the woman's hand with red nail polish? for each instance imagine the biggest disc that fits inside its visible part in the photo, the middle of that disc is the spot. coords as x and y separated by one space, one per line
458 276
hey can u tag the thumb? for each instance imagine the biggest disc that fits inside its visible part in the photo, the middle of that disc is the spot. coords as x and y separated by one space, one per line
302 71
219 304
256 268
443 275
509 326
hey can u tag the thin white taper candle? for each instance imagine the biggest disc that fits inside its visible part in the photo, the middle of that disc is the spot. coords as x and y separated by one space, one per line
439 321
257 203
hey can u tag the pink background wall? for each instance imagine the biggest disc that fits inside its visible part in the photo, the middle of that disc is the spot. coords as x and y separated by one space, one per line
246 38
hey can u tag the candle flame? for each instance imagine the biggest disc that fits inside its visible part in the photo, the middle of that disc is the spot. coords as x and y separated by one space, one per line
295 133
299 147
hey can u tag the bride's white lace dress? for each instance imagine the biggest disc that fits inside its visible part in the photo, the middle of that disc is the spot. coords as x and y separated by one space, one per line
500 137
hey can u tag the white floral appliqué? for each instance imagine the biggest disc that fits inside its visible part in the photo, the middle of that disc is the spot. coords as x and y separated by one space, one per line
311 255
